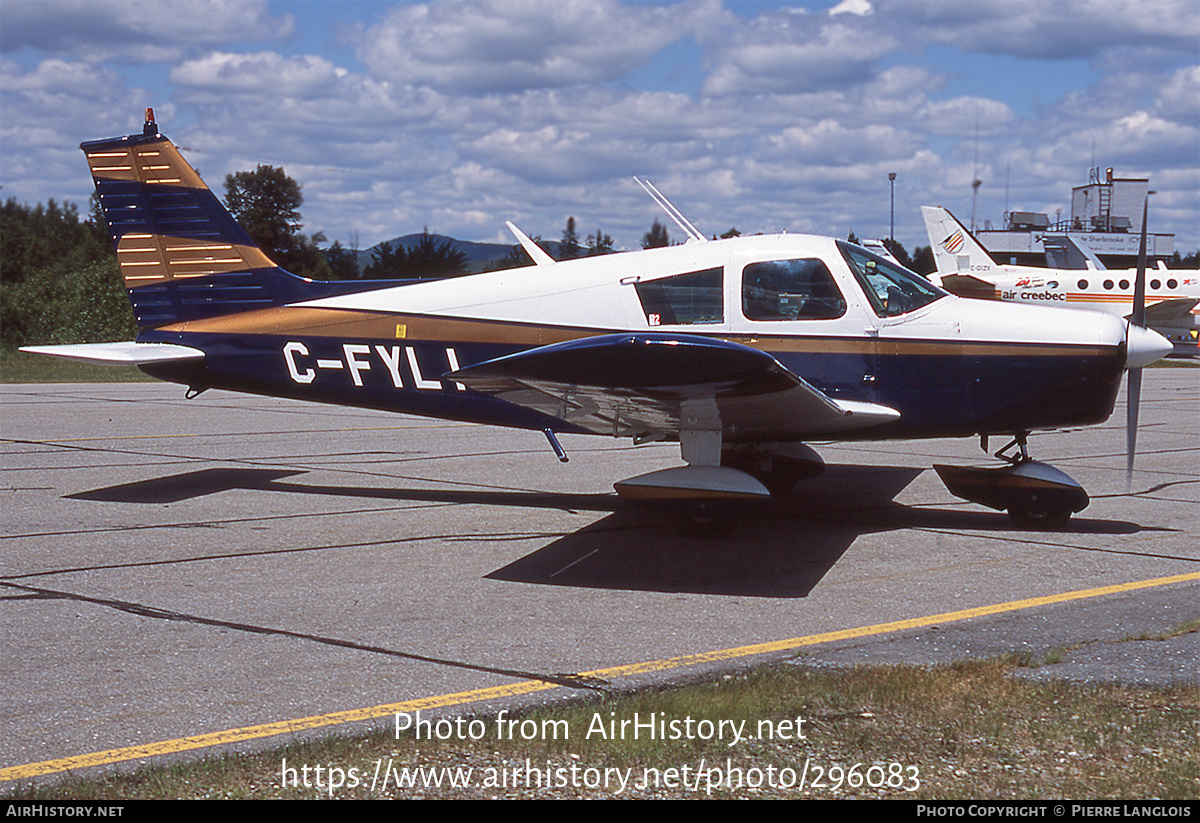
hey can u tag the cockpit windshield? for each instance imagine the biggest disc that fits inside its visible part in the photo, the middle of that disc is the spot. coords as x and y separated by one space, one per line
891 290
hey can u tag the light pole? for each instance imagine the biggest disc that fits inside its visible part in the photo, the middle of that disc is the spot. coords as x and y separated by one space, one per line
892 181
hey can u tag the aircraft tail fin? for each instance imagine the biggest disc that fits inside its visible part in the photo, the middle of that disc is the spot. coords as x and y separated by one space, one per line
180 252
954 249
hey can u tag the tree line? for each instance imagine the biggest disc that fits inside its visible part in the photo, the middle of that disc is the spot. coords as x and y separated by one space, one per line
58 278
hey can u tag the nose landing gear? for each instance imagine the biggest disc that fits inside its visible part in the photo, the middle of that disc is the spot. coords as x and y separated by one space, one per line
1035 495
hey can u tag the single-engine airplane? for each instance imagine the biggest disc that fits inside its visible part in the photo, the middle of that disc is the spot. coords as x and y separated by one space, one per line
739 349
1075 278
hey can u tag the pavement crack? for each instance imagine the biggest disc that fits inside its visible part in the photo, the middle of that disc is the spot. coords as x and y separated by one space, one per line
573 681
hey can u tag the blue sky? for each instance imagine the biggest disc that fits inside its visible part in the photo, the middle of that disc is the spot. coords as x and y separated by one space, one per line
461 114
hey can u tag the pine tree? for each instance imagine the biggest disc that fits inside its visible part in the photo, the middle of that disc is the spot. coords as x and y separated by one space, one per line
657 237
431 259
599 243
569 249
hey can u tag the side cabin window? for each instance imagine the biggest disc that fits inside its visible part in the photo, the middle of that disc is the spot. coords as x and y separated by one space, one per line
890 289
690 299
790 290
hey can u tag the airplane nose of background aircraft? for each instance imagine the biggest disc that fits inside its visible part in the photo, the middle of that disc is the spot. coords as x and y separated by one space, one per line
1144 346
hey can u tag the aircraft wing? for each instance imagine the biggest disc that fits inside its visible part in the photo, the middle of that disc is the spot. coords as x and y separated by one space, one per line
1168 312
119 354
653 385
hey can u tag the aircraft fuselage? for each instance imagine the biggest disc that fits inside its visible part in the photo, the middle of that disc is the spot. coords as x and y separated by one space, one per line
950 367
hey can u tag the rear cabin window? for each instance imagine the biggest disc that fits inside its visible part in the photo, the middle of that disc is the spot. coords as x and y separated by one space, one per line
695 298
790 290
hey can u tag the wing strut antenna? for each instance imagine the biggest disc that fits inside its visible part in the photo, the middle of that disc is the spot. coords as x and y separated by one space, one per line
672 212
531 248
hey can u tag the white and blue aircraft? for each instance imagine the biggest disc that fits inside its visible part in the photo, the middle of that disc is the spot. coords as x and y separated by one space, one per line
1074 277
739 349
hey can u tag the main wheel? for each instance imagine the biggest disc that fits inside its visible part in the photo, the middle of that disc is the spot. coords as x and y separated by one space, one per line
778 472
703 518
1040 511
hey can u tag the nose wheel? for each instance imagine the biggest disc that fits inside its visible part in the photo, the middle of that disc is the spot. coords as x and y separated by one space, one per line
1036 496
1040 510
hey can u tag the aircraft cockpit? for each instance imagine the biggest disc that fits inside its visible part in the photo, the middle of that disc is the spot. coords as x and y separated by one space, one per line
890 289
800 288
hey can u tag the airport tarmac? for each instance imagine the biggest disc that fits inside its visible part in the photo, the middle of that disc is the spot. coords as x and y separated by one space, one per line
176 568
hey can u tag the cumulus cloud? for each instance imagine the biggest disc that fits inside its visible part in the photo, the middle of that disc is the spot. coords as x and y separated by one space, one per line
507 45
960 115
222 71
831 143
64 101
48 111
1065 29
788 52
859 8
463 113
1179 97
134 30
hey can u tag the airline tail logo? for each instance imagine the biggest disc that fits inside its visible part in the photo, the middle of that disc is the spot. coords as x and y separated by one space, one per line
954 242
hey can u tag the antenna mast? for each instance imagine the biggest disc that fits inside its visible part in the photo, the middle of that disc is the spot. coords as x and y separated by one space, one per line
975 181
672 212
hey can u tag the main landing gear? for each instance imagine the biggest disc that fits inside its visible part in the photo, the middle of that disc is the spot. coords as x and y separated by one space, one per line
1037 496
706 497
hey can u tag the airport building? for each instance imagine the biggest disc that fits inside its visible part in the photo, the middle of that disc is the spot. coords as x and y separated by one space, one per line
1105 219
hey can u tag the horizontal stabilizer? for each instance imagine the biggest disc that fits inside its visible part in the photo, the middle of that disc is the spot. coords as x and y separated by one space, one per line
120 354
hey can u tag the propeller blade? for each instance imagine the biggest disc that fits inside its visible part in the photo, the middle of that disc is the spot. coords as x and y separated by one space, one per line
1137 319
1132 401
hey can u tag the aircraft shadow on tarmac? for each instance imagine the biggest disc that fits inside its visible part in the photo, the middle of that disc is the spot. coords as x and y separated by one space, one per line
781 550
778 550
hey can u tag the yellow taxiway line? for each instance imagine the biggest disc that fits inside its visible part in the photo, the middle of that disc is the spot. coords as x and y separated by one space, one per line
203 741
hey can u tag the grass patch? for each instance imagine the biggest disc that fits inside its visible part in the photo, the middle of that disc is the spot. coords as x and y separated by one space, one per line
1032 660
1183 628
968 730
21 367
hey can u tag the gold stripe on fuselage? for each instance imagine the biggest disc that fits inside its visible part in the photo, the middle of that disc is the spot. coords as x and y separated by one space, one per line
353 324
368 325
